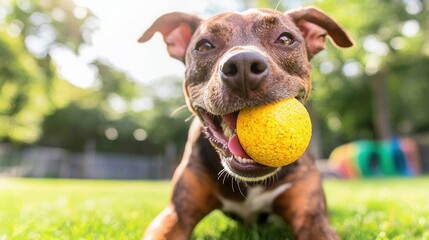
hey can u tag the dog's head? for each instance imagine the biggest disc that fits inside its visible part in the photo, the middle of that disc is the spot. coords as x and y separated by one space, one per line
238 60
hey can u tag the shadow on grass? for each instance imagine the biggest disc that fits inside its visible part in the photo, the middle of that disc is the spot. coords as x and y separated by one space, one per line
273 229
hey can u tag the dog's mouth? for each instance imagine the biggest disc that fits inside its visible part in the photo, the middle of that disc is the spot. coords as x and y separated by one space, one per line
221 131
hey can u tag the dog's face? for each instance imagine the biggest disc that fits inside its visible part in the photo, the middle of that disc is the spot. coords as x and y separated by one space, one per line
239 60
266 38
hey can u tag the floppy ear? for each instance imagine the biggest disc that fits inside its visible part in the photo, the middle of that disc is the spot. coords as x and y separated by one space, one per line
315 25
177 29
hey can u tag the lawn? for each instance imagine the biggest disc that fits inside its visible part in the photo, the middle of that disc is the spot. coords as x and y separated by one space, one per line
394 208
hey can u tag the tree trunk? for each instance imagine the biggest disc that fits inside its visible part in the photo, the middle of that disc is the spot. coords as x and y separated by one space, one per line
381 117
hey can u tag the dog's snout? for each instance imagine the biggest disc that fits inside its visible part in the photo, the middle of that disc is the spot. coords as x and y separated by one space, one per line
244 71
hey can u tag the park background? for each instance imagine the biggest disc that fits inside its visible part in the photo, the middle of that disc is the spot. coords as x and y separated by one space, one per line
80 98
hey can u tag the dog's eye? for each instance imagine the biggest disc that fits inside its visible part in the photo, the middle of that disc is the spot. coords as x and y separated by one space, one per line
285 39
204 46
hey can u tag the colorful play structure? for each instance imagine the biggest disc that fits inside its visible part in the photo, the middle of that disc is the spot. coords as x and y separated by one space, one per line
364 158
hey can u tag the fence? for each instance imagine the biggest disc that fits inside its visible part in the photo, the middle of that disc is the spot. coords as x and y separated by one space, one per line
59 163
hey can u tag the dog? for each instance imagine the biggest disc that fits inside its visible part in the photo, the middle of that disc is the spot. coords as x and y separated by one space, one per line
234 61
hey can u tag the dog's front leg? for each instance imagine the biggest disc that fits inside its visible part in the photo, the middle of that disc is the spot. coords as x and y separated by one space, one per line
193 194
191 201
303 206
164 225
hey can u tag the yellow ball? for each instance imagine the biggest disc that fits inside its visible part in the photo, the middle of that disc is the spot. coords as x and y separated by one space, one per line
276 134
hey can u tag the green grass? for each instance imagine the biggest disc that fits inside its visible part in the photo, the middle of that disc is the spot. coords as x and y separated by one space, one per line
74 209
395 208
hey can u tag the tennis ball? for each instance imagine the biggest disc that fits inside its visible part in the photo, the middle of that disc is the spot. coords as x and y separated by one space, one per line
276 134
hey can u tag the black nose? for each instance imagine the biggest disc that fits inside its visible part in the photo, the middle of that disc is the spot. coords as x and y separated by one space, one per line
244 71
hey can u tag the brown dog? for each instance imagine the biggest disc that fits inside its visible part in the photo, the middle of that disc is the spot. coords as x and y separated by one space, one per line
233 61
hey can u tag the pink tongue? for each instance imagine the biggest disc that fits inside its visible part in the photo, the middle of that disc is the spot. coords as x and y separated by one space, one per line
235 147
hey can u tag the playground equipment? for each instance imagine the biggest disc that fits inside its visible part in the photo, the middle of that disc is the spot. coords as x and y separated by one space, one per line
364 158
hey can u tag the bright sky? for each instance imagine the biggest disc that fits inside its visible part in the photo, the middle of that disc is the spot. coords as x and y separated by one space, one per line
121 23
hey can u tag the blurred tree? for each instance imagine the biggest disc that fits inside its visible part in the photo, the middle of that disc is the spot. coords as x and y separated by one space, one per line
29 84
114 114
376 89
116 120
167 118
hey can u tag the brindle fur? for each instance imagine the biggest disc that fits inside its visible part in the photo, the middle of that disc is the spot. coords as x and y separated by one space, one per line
197 186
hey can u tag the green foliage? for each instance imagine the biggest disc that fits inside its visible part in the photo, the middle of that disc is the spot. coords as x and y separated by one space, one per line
67 209
166 120
85 121
26 92
29 85
36 105
115 82
345 102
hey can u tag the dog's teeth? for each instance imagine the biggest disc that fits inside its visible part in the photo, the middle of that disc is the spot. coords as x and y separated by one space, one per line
243 160
223 125
226 130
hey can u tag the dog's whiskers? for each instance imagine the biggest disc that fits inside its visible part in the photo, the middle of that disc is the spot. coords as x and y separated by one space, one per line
189 118
278 4
283 171
224 177
239 188
276 177
273 179
177 110
220 174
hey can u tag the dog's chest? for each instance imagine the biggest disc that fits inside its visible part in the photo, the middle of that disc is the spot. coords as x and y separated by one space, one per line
258 201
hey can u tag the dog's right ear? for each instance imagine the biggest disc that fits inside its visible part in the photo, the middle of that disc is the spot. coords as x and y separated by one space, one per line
315 25
177 29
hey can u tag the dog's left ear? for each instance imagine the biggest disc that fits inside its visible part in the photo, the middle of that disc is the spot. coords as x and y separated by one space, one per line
315 26
177 29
